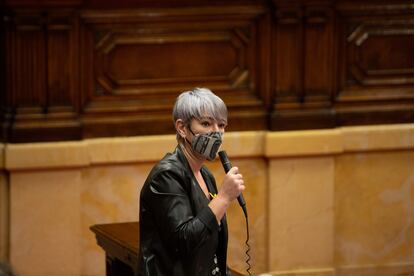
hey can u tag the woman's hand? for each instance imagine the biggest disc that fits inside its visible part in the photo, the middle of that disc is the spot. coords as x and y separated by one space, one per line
232 185
230 189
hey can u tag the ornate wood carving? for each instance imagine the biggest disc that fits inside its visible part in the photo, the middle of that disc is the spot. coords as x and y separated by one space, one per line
377 69
304 80
41 77
138 63
380 53
77 69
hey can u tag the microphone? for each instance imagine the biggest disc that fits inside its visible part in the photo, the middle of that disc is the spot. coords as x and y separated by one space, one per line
227 166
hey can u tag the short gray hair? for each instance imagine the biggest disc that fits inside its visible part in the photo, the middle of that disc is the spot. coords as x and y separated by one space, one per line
199 103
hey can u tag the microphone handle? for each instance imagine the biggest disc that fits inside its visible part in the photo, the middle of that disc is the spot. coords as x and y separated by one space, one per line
227 166
242 203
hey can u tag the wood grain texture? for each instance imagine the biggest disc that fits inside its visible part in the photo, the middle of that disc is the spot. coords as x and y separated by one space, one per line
80 69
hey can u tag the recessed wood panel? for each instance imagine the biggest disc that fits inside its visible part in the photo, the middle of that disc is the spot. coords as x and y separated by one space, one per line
288 55
41 102
181 60
59 69
30 68
389 55
304 62
380 53
376 73
319 54
131 64
136 68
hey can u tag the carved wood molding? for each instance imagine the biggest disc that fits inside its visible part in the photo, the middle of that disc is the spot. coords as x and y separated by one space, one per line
376 72
41 81
90 68
139 66
389 65
304 82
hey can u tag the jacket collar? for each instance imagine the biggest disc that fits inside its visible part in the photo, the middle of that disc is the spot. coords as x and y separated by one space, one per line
189 172
181 156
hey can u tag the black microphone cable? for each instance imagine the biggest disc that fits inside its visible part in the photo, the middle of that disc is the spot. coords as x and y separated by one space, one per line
248 246
227 166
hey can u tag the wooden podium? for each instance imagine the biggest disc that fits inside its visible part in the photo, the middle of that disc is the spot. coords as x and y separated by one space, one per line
120 241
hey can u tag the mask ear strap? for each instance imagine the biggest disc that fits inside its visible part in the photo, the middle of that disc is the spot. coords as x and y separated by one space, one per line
187 141
189 128
185 138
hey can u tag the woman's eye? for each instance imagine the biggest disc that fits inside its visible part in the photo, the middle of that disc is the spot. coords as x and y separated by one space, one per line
205 124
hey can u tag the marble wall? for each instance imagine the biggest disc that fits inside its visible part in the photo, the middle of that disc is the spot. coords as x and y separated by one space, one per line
44 222
320 202
4 210
374 217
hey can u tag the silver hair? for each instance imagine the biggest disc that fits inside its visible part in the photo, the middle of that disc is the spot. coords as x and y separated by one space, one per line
197 104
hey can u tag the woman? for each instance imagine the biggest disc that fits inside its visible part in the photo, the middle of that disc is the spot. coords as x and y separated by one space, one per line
183 229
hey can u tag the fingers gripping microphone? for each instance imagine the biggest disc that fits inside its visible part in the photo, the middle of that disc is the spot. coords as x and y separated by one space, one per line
227 166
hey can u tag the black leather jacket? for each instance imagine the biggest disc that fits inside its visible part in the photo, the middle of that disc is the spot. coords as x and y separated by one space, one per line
179 233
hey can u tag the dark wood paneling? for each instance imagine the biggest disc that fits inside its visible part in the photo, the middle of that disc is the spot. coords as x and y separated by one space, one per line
136 64
4 64
77 69
288 55
304 43
42 83
377 64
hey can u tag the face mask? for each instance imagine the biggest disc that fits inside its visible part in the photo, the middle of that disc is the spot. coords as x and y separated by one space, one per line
207 144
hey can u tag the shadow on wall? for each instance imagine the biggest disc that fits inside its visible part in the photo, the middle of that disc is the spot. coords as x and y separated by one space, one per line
6 270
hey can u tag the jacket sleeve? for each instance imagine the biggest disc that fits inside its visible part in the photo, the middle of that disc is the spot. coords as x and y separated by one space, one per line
171 206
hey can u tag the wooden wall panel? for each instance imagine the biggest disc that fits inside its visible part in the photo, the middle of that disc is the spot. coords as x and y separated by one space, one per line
380 53
29 64
41 83
304 60
376 84
78 69
319 55
287 45
136 66
4 80
59 85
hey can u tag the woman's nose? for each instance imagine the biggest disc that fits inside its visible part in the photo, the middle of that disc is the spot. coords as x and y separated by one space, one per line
215 127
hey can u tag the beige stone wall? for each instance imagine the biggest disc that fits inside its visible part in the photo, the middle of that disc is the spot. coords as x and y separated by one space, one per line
374 211
45 218
342 201
4 210
320 202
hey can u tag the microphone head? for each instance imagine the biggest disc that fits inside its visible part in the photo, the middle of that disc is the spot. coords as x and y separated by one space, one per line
225 161
223 156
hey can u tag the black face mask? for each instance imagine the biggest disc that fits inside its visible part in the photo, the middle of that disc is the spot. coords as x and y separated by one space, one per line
207 144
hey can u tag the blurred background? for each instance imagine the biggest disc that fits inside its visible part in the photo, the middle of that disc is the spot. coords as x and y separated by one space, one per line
321 109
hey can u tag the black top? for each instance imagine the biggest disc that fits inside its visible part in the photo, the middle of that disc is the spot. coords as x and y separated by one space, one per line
179 234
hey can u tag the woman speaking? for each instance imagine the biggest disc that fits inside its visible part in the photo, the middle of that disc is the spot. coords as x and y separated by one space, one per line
183 229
